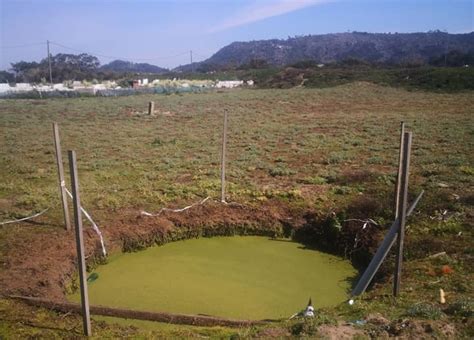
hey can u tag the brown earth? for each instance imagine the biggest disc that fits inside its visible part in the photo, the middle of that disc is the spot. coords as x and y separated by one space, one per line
40 261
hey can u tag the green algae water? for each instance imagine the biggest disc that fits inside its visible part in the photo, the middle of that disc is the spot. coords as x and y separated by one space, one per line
241 277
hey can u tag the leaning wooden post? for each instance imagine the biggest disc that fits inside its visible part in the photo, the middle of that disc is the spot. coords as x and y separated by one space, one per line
402 210
151 108
86 320
224 142
400 164
62 183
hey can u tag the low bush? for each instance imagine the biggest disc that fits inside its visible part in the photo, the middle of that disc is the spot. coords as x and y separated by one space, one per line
425 311
464 308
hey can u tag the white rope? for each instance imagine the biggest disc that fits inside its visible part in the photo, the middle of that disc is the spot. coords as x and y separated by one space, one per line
25 218
369 220
230 203
366 222
175 210
94 226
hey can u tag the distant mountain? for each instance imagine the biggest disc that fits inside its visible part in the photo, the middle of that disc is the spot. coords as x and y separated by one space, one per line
392 48
126 66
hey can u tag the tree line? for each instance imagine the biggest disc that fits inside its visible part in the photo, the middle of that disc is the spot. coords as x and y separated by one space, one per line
67 67
64 67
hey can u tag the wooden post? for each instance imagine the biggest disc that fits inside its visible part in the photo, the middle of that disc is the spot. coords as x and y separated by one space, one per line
402 210
400 164
224 142
62 183
151 108
86 321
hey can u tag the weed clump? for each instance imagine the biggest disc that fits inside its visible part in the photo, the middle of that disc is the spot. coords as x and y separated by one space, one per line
464 308
425 311
281 171
309 326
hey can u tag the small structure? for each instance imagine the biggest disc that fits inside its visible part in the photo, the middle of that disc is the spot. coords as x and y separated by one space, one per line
134 83
229 84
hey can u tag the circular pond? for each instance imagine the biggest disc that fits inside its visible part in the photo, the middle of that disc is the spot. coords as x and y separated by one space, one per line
236 277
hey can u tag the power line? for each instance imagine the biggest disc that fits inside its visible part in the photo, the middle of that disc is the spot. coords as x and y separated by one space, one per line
116 57
200 55
22 45
193 53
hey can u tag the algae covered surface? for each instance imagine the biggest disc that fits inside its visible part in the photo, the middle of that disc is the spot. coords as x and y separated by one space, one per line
237 277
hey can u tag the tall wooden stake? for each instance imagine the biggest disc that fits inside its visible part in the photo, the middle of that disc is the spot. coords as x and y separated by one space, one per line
402 210
224 142
86 320
400 164
151 108
62 183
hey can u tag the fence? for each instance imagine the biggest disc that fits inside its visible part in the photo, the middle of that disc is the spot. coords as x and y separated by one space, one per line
35 94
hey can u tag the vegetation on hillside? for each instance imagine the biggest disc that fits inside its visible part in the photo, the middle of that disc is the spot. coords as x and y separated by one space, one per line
121 66
386 48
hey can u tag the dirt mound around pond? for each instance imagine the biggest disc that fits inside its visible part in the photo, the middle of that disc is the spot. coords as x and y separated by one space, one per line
39 260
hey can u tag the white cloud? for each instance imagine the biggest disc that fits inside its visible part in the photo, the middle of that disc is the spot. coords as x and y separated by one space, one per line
262 10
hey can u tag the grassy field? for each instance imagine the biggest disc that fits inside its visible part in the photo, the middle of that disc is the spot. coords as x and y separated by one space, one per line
293 144
318 149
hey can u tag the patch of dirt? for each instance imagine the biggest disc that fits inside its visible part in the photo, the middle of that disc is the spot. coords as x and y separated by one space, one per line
420 329
274 332
340 331
6 204
377 319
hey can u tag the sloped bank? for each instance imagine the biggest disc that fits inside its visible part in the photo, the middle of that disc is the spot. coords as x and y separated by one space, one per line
42 264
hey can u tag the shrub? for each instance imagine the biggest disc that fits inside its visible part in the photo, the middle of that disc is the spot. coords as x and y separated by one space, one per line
281 171
450 227
425 311
316 180
463 308
336 158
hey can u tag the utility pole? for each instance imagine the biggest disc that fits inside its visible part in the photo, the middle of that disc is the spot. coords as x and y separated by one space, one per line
191 57
447 47
49 62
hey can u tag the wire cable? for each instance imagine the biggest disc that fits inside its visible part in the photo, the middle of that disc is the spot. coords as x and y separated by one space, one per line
116 57
22 45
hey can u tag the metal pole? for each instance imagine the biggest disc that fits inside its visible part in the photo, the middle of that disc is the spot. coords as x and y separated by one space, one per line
381 253
400 155
49 62
402 210
62 183
224 142
86 320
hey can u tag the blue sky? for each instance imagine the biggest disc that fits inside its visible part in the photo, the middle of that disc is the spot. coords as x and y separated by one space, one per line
163 32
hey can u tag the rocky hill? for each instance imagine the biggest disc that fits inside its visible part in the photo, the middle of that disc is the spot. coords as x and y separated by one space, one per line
127 66
391 48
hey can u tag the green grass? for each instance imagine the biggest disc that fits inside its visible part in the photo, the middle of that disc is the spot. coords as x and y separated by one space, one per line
130 161
315 142
237 277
